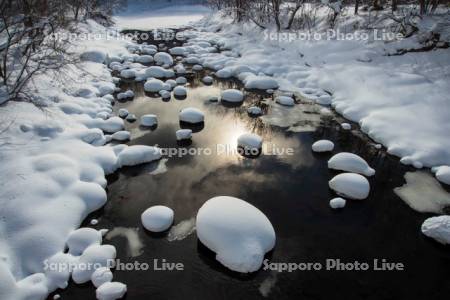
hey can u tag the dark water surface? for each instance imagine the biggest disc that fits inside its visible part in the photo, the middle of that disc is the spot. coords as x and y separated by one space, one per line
293 193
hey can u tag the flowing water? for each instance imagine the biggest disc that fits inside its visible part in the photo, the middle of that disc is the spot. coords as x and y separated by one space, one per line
292 190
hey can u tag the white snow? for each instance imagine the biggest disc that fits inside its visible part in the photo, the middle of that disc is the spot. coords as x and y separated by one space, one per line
149 120
437 228
121 136
181 80
178 51
323 146
260 82
153 85
125 95
123 113
337 203
163 58
239 233
144 59
442 174
157 218
78 240
93 257
184 134
101 275
197 68
346 126
350 162
192 115
180 91
250 141
254 110
350 185
157 72
111 291
232 95
208 80
138 154
285 100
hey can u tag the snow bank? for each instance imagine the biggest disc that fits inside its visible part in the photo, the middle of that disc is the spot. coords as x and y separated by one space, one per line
157 218
192 115
239 233
442 174
350 162
323 146
138 154
353 186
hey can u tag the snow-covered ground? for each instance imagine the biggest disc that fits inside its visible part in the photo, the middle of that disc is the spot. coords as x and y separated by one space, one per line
142 17
401 101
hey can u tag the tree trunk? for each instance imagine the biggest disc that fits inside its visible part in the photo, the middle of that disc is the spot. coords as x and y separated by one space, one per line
356 6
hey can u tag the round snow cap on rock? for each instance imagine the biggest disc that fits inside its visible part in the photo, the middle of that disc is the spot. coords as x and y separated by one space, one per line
285 100
350 185
82 238
111 291
250 142
337 203
163 58
323 146
101 275
180 91
437 228
239 233
192 115
232 96
181 80
254 111
207 80
350 162
157 218
153 85
149 120
184 134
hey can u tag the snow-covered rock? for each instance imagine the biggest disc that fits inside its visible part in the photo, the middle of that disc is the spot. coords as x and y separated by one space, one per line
350 162
192 115
138 154
260 82
96 56
346 126
123 112
101 275
254 111
125 95
94 256
442 174
121 136
323 146
149 120
144 59
153 85
181 80
111 291
184 134
437 228
163 58
110 125
131 118
197 68
285 100
180 91
78 240
350 185
165 94
239 233
178 51
207 80
250 141
157 218
337 203
172 83
157 72
232 95
128 73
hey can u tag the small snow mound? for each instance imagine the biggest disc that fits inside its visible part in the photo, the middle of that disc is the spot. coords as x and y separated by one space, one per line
121 136
337 203
101 275
346 126
192 115
153 85
250 141
239 233
95 256
180 91
144 59
125 95
260 82
156 72
197 68
149 120
157 218
285 100
323 146
123 113
442 174
178 51
163 58
184 134
351 185
232 95
437 228
138 154
111 291
207 80
350 162
254 111
78 240
181 80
